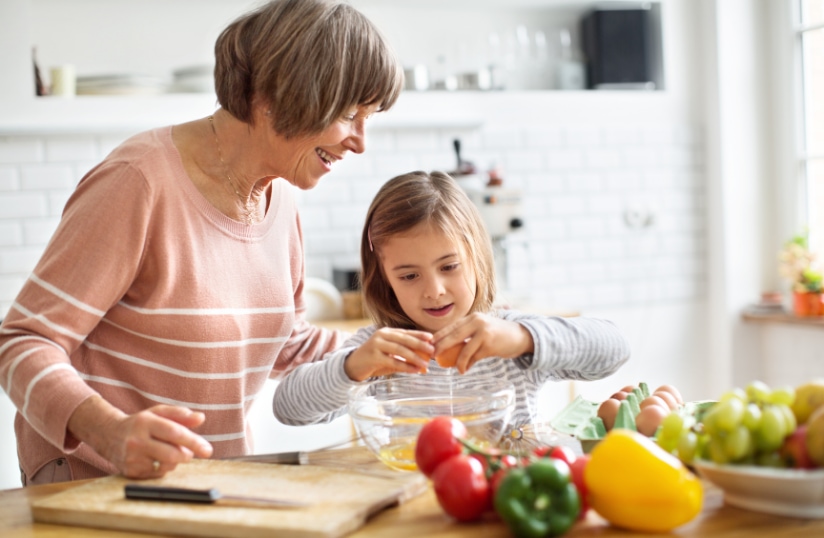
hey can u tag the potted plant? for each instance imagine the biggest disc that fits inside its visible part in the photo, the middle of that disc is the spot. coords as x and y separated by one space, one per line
797 264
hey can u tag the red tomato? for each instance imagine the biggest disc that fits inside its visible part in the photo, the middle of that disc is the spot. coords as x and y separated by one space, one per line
577 469
508 461
462 488
484 461
563 453
437 442
488 455
541 451
492 461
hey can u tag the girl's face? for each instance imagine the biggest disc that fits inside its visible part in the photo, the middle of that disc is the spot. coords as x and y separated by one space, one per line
430 275
303 161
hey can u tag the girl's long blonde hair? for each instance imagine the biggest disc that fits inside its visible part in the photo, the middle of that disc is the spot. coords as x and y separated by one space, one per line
404 202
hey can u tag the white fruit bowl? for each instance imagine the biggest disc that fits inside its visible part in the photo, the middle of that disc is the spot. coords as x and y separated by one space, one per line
785 492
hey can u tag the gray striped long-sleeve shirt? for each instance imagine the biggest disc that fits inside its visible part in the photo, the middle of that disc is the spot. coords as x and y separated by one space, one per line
578 348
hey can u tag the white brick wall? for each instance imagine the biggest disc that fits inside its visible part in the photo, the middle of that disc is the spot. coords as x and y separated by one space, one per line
576 250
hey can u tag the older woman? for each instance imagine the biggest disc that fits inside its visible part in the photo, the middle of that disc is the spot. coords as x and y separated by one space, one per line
172 288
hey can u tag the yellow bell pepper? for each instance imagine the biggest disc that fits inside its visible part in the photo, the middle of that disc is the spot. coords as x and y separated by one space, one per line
634 484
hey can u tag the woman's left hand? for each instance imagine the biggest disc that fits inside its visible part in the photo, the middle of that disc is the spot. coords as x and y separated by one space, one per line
484 336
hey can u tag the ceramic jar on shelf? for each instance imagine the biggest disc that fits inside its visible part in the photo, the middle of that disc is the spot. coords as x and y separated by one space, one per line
808 303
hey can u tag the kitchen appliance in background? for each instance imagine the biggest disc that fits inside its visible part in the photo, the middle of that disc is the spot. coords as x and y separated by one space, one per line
347 281
620 45
500 207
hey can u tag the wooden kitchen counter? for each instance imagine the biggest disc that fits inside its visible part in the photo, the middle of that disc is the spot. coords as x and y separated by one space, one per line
421 516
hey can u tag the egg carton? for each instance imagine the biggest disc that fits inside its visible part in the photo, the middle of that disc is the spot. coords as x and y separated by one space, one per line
580 417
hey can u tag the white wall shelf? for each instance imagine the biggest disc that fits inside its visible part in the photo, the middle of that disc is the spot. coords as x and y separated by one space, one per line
447 110
185 35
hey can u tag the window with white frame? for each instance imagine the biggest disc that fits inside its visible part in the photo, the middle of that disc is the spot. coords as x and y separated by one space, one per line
811 35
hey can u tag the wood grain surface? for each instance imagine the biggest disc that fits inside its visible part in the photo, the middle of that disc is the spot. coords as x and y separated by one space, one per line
340 501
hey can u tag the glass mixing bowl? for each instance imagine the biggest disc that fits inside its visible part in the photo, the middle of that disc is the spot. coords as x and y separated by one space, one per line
388 413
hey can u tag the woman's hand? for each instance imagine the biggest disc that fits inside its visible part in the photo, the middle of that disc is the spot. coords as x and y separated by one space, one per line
484 336
390 351
133 443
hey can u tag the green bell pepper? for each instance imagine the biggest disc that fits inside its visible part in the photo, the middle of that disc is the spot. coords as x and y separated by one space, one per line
538 500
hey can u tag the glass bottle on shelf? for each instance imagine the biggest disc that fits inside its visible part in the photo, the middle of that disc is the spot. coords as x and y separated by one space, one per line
570 72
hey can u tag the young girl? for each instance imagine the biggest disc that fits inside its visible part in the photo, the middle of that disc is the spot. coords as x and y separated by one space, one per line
429 284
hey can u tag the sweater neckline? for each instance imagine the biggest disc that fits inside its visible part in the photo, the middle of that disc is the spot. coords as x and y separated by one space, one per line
235 228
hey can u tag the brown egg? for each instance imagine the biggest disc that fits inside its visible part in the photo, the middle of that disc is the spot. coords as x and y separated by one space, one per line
672 403
628 388
620 395
650 418
607 412
653 400
672 390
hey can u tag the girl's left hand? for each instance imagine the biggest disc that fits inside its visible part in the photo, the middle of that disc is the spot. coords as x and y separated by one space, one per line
484 336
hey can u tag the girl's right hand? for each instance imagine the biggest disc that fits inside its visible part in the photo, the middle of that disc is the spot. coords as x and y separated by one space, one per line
390 351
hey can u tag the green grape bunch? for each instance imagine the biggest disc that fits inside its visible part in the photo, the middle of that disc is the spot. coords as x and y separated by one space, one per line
745 426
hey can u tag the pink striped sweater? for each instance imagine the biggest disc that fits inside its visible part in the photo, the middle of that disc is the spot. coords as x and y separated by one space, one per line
147 294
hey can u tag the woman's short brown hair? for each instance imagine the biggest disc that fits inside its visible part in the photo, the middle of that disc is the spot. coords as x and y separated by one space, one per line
402 203
310 61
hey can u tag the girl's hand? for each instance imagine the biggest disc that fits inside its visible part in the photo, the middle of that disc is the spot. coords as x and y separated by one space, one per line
390 351
133 443
484 336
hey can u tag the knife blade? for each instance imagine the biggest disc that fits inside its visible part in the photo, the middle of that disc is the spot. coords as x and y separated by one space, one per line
204 496
289 458
301 457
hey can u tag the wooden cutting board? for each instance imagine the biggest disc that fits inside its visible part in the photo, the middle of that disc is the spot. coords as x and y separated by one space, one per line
341 500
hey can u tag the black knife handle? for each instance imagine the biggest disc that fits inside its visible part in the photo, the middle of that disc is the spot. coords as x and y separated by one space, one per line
166 493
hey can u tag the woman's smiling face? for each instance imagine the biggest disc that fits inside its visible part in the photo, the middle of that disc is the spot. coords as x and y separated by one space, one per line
307 159
430 276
